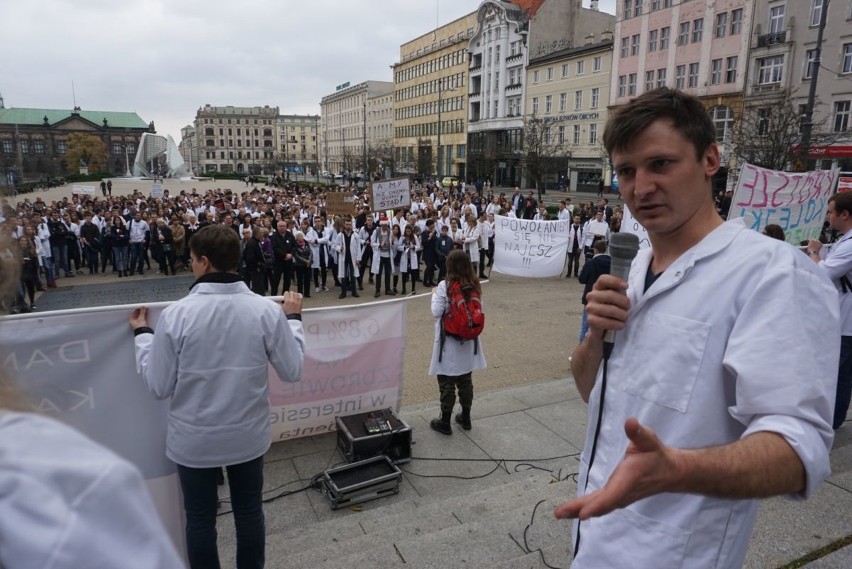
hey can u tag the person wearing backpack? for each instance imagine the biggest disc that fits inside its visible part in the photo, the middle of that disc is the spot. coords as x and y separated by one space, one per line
457 350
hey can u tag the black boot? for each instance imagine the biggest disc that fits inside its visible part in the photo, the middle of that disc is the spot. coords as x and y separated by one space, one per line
463 418
442 424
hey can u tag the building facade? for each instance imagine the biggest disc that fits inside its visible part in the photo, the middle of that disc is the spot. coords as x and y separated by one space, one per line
344 125
236 139
783 65
34 142
565 114
429 102
380 135
700 48
299 144
188 148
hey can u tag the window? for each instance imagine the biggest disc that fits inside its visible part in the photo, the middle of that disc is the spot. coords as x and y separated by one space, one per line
560 135
723 120
593 133
548 104
578 100
697 30
38 146
776 19
655 5
661 77
652 40
736 21
649 80
576 134
810 60
842 110
721 25
847 58
622 85
7 146
596 64
25 147
680 77
693 75
581 66
716 71
816 12
637 8
116 148
763 121
62 147
564 70
634 45
550 74
631 84
595 97
535 105
731 70
770 70
563 102
665 33
628 8
545 135
683 36
535 76
625 47
667 3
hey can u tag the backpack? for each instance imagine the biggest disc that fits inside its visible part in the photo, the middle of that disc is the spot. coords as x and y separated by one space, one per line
464 320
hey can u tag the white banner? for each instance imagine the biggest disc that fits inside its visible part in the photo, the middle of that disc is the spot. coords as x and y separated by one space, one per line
156 191
630 224
80 367
390 194
83 190
528 248
797 201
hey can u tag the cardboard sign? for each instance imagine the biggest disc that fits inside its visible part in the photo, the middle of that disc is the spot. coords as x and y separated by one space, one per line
156 190
83 190
340 203
390 194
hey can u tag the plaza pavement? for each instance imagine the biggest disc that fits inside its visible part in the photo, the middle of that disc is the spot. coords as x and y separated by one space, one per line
528 426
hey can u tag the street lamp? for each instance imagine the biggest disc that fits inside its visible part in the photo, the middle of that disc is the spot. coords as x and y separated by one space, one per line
440 93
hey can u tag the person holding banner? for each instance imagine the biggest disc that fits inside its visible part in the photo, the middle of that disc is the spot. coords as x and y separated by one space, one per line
836 261
709 395
218 388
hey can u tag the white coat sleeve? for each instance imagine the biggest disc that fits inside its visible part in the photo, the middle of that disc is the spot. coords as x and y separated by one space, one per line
439 300
286 346
157 360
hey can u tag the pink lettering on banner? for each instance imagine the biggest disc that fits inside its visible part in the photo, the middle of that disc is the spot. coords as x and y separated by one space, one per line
748 182
331 373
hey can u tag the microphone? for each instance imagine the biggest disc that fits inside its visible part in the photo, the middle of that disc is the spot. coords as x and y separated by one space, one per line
622 249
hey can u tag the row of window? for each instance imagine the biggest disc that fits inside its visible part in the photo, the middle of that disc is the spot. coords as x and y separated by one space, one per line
594 101
212 142
239 155
406 154
580 69
237 121
455 126
445 84
437 64
7 146
776 15
686 76
431 108
209 131
577 135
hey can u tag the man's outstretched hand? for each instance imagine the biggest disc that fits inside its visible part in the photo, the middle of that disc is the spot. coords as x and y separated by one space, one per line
649 467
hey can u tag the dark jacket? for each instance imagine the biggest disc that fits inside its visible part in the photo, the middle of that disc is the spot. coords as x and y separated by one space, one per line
430 253
282 245
592 269
443 246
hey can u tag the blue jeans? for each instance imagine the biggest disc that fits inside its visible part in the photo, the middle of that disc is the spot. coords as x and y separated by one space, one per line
584 325
60 259
120 253
137 257
47 263
844 382
200 496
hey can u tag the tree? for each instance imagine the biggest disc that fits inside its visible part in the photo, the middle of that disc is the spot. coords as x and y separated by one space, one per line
424 157
86 149
380 156
769 132
544 154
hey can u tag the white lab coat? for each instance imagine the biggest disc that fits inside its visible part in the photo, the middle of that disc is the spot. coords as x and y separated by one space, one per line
837 263
408 259
458 357
354 250
319 240
471 242
595 228
377 253
66 501
210 355
721 346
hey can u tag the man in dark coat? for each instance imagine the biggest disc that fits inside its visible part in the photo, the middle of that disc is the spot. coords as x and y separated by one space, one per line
593 268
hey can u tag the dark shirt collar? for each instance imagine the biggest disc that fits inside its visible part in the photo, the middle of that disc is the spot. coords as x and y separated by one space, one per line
218 278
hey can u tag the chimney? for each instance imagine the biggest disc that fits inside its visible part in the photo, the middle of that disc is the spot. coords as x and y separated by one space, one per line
590 39
594 5
606 35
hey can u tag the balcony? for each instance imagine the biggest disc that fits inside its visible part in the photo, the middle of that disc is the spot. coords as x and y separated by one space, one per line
773 38
513 87
516 57
765 88
475 69
474 95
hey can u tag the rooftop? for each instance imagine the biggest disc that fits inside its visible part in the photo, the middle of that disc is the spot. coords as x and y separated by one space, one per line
22 116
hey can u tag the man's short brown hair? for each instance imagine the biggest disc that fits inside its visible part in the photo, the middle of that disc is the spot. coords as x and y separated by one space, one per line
220 244
842 202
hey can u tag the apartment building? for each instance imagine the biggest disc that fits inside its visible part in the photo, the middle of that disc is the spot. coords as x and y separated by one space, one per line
299 144
236 139
429 101
344 125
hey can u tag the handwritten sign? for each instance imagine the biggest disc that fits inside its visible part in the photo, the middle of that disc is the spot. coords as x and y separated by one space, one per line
340 203
845 182
529 248
390 194
156 191
797 201
83 190
630 224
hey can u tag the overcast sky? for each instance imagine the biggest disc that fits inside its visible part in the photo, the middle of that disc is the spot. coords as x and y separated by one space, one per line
164 59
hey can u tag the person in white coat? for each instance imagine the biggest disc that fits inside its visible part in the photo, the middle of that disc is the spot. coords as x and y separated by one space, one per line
384 249
699 407
454 361
213 367
408 245
321 257
470 241
347 245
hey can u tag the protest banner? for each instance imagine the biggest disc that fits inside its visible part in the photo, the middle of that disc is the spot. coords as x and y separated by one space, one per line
340 203
156 191
630 224
80 367
844 184
797 201
83 190
390 194
529 248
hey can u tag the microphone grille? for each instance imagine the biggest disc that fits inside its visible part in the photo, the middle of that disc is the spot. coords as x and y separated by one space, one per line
624 246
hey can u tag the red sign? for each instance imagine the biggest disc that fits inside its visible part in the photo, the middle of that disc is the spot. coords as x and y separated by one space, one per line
836 151
845 183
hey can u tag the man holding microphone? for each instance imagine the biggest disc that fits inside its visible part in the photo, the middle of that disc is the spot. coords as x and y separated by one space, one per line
709 395
210 357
